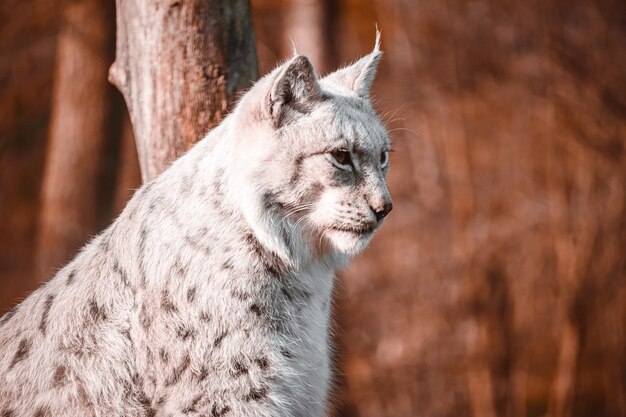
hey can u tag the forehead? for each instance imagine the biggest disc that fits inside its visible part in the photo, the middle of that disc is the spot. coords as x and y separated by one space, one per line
357 125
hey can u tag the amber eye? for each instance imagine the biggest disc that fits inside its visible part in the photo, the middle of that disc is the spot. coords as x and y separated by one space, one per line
384 158
341 156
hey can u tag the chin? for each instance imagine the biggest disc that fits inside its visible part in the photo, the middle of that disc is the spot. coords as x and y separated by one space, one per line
348 243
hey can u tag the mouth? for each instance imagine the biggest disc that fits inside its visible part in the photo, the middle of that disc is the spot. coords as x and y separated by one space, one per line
364 230
349 240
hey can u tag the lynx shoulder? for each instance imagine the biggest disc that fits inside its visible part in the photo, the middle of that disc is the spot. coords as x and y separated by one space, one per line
210 294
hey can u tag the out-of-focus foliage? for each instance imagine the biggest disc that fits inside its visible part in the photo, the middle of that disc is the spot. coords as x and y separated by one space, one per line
498 284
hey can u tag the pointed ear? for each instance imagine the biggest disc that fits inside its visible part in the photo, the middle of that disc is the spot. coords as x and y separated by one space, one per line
359 76
294 90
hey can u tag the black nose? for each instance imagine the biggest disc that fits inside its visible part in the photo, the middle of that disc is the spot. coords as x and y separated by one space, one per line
382 212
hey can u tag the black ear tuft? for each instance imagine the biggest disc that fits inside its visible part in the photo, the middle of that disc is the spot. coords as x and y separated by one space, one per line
294 90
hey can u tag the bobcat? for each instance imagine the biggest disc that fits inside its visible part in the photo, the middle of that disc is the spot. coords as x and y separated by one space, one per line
210 294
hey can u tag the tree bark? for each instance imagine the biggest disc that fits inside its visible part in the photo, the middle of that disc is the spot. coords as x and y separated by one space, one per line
128 174
179 64
78 131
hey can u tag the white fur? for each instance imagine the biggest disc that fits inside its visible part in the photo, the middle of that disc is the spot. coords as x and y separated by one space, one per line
210 294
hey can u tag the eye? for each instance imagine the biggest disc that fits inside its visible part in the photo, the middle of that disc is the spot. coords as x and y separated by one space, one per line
342 157
384 158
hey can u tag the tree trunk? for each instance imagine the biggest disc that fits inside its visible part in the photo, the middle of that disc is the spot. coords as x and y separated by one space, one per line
310 25
78 131
128 175
178 64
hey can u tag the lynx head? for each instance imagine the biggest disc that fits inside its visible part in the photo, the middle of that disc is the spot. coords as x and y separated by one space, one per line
315 157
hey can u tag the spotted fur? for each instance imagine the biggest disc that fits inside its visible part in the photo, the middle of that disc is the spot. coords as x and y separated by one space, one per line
210 294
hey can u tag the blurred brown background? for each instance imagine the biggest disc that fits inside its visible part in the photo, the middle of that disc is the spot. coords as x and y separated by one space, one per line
497 286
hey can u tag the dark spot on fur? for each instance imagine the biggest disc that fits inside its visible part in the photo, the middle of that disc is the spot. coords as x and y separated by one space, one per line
121 272
8 413
146 404
216 203
295 176
219 411
256 309
8 315
128 389
143 234
185 332
203 374
144 400
42 412
97 312
178 268
83 396
239 369
178 371
22 352
286 353
268 199
257 394
293 293
70 277
126 334
218 340
191 294
287 294
271 269
43 323
217 183
263 363
165 357
167 304
105 239
228 265
191 408
137 380
144 318
270 262
59 378
205 317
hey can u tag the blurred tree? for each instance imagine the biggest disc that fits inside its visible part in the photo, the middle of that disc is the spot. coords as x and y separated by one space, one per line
310 25
178 65
78 132
128 175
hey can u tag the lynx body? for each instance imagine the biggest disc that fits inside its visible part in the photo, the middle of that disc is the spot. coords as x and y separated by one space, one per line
210 294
